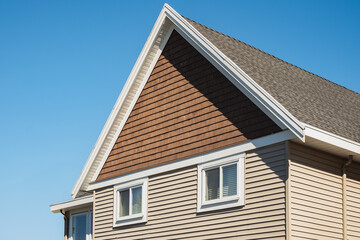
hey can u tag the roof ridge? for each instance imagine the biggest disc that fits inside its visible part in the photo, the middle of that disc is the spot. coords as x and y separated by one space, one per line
293 65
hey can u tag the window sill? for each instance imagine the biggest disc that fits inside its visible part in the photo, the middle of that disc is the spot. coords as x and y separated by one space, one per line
218 205
217 201
129 220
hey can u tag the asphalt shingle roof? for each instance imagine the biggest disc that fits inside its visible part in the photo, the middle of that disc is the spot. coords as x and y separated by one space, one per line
310 98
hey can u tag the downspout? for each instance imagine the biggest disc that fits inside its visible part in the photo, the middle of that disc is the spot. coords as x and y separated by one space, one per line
344 190
66 225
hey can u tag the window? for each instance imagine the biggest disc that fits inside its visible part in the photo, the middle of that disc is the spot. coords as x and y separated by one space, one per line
130 203
221 184
81 226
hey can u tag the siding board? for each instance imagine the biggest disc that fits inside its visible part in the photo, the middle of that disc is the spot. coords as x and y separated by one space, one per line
316 194
186 108
353 197
172 207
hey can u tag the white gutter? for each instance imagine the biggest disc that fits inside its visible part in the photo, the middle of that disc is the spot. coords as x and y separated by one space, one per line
332 139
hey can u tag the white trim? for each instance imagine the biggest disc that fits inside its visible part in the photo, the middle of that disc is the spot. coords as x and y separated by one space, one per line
131 218
332 139
227 202
138 78
243 147
71 204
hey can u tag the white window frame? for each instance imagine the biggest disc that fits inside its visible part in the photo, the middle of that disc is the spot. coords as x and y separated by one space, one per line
131 218
88 226
223 202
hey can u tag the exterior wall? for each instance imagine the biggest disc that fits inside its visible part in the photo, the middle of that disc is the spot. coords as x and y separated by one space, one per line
172 205
316 198
186 108
353 201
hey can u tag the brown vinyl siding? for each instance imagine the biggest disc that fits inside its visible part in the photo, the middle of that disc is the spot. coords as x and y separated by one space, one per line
316 194
353 201
172 200
186 108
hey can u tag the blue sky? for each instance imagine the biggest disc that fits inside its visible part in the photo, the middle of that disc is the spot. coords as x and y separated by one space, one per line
64 63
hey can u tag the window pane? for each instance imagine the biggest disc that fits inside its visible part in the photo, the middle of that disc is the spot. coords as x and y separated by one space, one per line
136 200
212 184
79 227
229 180
124 203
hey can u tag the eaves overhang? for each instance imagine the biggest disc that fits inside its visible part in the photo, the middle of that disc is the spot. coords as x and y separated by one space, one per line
332 143
72 204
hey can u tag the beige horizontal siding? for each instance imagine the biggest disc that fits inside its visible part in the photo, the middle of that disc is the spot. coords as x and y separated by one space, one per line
353 201
316 194
172 205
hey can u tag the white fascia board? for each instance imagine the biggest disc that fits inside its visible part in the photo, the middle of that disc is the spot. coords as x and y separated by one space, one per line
207 157
236 75
71 204
118 105
332 139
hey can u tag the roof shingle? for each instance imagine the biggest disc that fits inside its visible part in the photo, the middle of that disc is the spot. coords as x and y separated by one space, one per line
311 99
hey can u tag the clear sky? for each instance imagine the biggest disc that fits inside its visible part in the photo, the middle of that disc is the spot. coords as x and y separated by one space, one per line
64 63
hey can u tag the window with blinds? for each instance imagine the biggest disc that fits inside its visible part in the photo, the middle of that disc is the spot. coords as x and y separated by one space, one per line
221 184
130 203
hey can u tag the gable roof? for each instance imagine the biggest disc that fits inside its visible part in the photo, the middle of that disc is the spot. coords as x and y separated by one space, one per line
234 59
311 99
187 108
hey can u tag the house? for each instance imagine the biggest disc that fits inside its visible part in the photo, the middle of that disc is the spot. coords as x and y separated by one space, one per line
214 139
